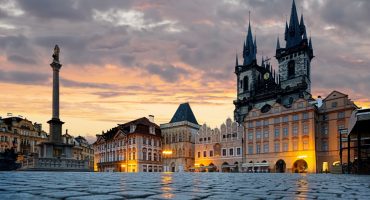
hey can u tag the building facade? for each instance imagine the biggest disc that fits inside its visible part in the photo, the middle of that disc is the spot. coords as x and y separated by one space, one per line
286 130
81 149
333 116
219 149
178 140
21 134
135 146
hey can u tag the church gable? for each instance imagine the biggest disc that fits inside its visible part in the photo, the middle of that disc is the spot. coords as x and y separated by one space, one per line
335 95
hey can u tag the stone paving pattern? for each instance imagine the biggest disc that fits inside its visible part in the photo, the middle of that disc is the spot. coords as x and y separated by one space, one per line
106 186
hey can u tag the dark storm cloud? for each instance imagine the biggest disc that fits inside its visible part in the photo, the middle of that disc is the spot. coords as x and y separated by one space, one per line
26 78
168 73
21 59
204 34
53 9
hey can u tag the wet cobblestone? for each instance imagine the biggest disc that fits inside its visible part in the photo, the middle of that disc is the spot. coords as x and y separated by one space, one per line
100 186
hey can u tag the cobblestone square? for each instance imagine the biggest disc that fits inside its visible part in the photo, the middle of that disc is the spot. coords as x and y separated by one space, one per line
73 186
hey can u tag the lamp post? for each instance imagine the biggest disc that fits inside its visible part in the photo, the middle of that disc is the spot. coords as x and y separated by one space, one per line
167 154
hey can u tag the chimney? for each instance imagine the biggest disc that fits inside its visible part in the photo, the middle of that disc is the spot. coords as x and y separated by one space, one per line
151 118
319 101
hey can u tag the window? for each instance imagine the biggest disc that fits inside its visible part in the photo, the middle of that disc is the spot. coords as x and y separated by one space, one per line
305 144
258 149
250 125
325 117
265 148
241 84
285 131
295 117
285 146
341 115
305 129
223 152
150 156
134 140
210 153
276 110
334 104
231 152
295 145
198 154
295 130
285 119
340 127
300 105
277 120
324 146
144 155
250 149
325 129
204 153
291 69
277 132
266 122
246 82
132 128
305 115
266 133
250 136
152 130
258 123
150 141
277 147
238 151
258 134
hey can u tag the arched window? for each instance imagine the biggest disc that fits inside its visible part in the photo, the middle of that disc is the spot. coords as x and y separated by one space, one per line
246 83
291 69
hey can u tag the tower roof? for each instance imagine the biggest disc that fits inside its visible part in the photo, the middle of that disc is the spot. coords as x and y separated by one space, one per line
250 47
295 31
184 113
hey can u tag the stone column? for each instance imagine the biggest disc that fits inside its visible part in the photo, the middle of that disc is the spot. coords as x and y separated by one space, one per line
55 123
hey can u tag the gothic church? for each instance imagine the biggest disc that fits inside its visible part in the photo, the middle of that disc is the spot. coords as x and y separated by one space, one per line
259 86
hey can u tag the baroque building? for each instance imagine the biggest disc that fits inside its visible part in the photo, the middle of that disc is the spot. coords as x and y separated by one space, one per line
286 130
178 140
135 146
219 149
21 134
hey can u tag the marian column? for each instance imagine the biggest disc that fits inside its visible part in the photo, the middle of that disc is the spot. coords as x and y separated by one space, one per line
55 123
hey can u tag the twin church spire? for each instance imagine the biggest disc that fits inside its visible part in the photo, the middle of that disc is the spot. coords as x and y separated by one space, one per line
295 34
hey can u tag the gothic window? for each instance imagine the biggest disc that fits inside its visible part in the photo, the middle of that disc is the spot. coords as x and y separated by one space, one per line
241 84
291 69
246 84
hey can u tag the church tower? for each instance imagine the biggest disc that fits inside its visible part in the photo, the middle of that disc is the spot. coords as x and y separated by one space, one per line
294 60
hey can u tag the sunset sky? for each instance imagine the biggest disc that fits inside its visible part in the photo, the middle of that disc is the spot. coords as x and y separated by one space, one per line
126 59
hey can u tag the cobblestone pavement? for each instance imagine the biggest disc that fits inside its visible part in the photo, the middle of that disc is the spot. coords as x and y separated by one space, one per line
80 186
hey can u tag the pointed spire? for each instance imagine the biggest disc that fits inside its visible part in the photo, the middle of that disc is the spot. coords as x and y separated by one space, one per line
250 48
295 33
236 60
277 43
302 27
262 61
286 31
310 43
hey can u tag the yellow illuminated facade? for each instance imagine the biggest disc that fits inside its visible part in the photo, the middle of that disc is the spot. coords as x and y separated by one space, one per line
219 149
300 138
132 147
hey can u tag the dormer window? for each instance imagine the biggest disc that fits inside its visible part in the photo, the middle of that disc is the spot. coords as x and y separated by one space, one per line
152 130
132 128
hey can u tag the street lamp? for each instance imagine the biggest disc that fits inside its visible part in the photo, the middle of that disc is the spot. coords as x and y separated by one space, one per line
166 154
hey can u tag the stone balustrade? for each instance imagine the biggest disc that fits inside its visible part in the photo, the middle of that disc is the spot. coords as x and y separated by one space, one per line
60 164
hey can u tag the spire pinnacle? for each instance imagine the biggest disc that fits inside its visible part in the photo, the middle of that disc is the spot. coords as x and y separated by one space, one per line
277 43
236 60
250 47
295 30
